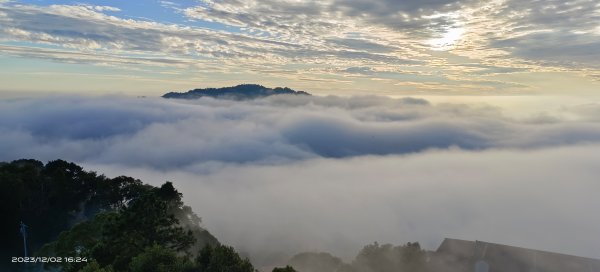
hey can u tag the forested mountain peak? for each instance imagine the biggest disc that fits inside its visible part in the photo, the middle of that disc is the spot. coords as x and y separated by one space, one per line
239 92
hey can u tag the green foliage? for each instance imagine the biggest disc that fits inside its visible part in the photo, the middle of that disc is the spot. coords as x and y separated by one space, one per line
78 241
109 221
50 198
388 258
159 259
284 269
93 266
220 259
115 194
148 220
372 258
115 238
239 92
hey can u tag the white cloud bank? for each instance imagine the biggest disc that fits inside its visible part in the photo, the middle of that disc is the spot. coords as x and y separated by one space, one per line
166 134
287 174
542 199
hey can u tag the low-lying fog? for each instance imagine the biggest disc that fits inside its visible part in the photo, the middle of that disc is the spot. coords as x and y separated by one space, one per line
287 174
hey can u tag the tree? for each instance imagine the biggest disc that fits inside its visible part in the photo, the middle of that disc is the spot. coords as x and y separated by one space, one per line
287 268
93 266
79 241
51 198
159 259
387 258
118 224
222 258
147 221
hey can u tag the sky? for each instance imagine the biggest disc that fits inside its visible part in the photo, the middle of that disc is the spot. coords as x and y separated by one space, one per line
341 47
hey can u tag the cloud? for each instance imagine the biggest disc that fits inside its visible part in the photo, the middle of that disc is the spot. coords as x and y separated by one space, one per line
91 57
560 33
287 174
89 29
392 38
554 31
534 199
169 134
549 33
289 18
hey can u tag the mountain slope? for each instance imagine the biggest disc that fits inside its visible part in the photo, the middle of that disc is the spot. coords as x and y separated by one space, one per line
239 92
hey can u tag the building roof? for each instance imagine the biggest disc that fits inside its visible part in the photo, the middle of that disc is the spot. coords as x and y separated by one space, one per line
461 255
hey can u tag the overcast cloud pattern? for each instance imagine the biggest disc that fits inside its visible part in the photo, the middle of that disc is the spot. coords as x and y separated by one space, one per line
447 46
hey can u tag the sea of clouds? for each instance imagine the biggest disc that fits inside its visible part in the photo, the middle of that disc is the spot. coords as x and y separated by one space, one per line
287 174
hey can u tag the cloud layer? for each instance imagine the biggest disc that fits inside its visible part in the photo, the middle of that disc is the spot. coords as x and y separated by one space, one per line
287 174
540 199
444 46
173 135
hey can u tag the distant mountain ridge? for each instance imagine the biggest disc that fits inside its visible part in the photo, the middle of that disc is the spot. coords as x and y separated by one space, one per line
239 92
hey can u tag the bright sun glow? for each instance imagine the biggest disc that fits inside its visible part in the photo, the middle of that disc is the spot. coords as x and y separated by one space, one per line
448 39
